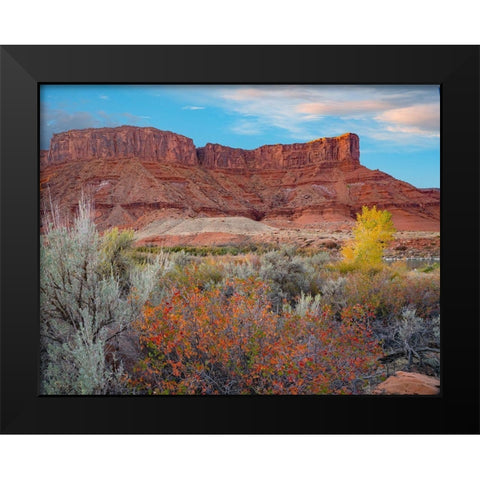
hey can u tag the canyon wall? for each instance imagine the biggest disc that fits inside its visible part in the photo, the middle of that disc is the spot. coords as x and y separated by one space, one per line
136 175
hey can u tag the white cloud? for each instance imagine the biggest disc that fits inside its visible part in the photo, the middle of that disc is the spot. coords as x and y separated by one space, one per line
305 112
417 119
346 108
245 127
104 97
192 107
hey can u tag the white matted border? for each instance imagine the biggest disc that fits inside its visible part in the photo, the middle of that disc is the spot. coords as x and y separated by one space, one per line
239 457
246 22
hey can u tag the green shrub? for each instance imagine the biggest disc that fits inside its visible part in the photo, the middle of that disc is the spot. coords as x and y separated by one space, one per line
430 268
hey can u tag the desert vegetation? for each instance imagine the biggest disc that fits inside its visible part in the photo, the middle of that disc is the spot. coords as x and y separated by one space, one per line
119 319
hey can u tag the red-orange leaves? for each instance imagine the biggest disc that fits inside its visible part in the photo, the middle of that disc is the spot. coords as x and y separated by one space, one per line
226 340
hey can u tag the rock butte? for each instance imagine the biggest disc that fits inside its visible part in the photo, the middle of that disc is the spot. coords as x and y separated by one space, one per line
139 175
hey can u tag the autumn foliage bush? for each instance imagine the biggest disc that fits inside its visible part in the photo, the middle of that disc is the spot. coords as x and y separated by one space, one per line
227 340
373 230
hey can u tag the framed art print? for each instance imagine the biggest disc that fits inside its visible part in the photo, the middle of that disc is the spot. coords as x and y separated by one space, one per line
198 240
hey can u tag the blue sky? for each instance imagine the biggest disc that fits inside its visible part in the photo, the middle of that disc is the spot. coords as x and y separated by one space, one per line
398 126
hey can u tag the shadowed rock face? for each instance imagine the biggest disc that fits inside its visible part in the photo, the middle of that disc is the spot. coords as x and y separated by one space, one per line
136 175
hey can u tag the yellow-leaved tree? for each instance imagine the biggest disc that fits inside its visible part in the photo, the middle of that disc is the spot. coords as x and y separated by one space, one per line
373 230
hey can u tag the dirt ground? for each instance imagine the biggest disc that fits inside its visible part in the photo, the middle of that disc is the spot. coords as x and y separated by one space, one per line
239 231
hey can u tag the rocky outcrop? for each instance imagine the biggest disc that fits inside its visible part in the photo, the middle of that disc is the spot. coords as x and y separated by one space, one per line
406 383
341 152
148 144
145 173
43 158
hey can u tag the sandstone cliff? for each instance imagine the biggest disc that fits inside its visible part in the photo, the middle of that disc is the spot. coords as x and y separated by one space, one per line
342 152
137 175
147 144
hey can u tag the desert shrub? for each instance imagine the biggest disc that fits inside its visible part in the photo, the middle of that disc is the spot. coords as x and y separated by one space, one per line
392 289
182 258
412 337
84 310
430 268
306 304
115 259
152 249
318 260
414 332
201 273
147 281
397 268
288 276
247 266
209 273
345 267
227 340
140 258
204 251
393 296
333 294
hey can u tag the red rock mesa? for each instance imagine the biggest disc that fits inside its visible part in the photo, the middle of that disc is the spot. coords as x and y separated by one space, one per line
139 175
